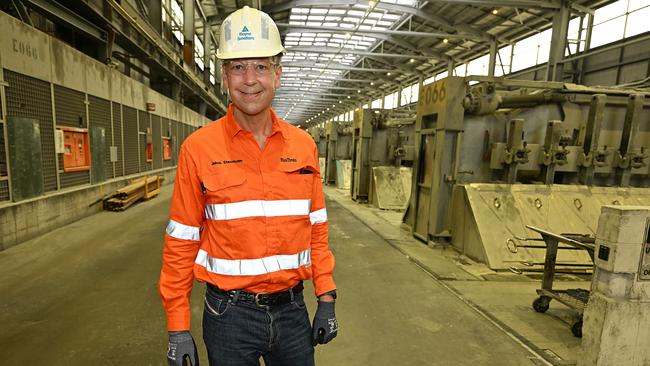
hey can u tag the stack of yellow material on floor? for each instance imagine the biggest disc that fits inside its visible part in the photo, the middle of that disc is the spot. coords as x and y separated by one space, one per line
141 188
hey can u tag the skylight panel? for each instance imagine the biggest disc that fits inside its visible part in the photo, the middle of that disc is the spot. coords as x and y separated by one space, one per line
330 18
318 11
337 11
314 24
316 18
347 25
298 17
351 20
392 16
384 23
330 24
356 13
299 11
365 27
293 22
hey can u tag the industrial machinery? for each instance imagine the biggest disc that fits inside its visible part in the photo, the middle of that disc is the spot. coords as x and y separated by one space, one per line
382 157
339 152
501 154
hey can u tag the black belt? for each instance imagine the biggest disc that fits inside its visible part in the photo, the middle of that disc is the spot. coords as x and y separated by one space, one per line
260 299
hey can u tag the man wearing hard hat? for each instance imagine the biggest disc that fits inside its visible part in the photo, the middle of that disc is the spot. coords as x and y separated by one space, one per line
248 218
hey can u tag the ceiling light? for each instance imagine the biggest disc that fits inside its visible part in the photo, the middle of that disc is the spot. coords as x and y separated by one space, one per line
412 60
340 101
388 74
495 12
358 90
445 40
348 97
371 83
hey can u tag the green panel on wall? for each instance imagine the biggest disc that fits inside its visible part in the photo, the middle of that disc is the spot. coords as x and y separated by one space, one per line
97 154
25 160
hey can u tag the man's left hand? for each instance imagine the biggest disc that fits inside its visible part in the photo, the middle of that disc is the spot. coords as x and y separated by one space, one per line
325 326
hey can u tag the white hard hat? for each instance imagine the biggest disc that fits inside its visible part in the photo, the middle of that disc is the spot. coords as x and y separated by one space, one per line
248 32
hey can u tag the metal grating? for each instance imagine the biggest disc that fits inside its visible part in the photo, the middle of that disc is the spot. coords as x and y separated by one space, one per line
70 107
168 131
117 138
144 122
31 98
4 190
3 155
99 114
4 184
131 153
157 141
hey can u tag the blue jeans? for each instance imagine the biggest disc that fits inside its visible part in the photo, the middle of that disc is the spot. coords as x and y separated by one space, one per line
238 333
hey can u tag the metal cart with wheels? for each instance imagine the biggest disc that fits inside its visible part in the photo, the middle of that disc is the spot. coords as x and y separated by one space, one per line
573 298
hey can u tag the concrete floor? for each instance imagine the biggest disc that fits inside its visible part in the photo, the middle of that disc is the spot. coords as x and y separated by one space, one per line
86 294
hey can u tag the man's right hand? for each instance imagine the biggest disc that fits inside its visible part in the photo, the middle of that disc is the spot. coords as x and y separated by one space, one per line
181 345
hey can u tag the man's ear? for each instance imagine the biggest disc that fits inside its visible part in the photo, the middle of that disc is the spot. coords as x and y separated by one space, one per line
278 76
224 76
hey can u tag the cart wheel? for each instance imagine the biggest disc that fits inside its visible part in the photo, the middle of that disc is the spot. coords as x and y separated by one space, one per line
576 328
541 304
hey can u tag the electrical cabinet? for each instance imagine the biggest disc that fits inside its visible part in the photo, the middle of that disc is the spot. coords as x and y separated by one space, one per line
76 151
167 148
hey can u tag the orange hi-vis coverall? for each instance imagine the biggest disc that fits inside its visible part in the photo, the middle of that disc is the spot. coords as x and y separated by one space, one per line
244 218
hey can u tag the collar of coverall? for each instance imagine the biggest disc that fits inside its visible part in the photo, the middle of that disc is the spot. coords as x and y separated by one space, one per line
233 128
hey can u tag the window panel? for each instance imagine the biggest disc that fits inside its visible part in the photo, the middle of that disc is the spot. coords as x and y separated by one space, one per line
607 32
637 22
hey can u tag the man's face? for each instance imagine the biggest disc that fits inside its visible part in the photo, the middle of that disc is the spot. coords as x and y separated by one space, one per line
251 83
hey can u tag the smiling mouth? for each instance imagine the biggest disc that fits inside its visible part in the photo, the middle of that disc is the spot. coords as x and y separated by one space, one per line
251 94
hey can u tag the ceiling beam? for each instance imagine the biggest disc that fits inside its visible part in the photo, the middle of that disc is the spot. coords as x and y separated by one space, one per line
373 32
529 4
345 51
337 67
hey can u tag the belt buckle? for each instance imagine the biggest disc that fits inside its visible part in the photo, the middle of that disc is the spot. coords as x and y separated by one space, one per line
257 300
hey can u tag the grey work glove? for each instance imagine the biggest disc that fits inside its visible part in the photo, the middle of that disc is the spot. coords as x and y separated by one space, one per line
325 326
181 346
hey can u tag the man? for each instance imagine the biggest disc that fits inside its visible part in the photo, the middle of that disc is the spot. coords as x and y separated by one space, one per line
248 218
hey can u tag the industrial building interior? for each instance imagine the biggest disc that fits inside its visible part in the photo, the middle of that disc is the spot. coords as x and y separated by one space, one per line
484 164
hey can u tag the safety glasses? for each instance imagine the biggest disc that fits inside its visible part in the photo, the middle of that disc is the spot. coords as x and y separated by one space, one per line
239 68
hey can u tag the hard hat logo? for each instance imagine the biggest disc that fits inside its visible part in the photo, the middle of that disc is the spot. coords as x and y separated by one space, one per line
248 33
245 35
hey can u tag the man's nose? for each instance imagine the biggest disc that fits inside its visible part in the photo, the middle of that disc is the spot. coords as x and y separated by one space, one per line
250 76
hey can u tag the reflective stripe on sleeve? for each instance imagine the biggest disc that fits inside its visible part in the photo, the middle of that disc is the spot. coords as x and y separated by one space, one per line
182 231
238 210
318 216
253 267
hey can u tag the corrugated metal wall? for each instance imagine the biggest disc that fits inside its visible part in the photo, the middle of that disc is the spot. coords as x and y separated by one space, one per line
131 153
4 184
144 123
167 131
176 144
32 98
99 114
70 108
117 138
157 141
124 127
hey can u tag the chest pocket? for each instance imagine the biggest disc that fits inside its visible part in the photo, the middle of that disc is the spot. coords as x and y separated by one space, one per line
224 187
299 179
